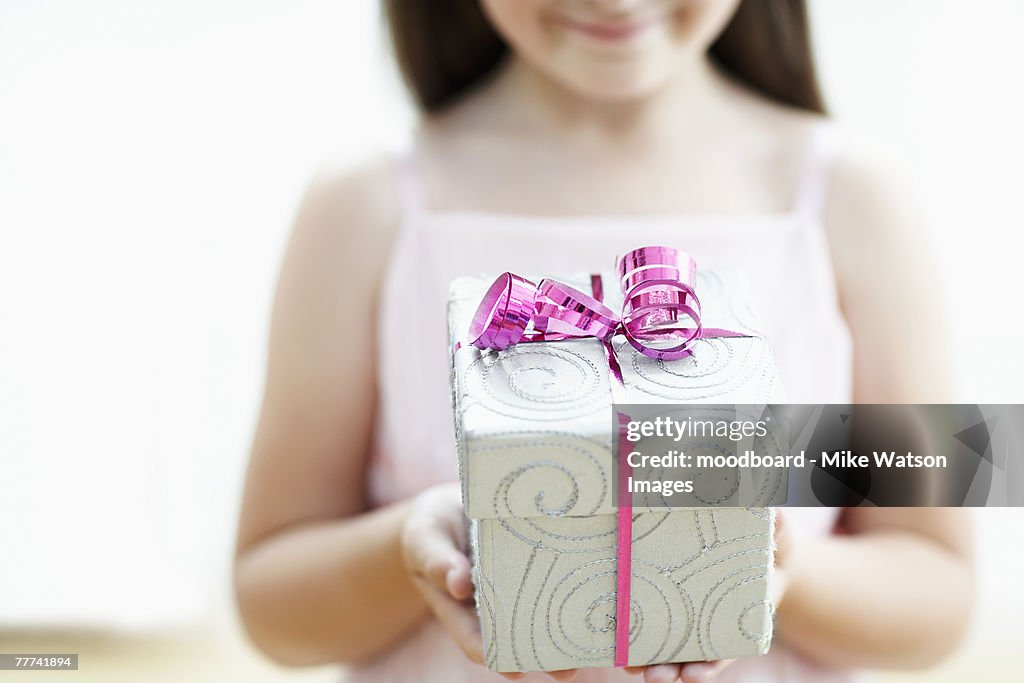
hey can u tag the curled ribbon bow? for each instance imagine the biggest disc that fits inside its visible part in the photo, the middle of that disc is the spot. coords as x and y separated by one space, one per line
660 317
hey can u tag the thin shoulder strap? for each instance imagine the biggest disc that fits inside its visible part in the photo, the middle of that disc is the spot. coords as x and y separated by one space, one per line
812 188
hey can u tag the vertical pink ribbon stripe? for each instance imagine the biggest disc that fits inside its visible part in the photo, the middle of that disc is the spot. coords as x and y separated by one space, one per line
624 550
624 524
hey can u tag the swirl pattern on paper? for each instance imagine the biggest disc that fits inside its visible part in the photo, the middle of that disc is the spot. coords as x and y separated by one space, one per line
699 588
537 474
720 370
540 382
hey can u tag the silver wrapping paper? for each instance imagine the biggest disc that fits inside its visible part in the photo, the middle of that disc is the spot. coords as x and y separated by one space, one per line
534 445
546 588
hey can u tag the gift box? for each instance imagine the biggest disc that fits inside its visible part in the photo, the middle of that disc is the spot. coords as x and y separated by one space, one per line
535 449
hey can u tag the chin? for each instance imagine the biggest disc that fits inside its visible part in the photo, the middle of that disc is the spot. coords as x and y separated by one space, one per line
618 85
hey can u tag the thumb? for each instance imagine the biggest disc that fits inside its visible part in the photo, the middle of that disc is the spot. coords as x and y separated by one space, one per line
432 552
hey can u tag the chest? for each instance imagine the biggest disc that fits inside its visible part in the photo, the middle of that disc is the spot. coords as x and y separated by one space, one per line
710 177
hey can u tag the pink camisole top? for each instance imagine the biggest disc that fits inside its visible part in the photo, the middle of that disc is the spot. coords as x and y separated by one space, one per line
785 254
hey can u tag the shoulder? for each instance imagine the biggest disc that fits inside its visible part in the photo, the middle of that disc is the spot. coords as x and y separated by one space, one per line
338 251
345 225
871 213
890 285
865 178
351 204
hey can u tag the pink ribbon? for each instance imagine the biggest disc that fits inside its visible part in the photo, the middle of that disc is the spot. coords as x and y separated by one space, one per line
660 318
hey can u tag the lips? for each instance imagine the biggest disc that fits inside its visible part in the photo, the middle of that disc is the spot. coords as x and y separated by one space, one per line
610 30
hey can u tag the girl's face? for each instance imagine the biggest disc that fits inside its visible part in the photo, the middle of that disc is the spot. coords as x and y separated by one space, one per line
609 49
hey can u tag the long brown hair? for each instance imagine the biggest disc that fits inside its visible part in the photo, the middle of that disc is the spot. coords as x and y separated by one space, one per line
445 47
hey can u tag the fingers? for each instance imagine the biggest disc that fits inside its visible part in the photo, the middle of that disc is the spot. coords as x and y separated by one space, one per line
457 617
782 540
434 539
661 673
458 580
432 548
777 582
444 505
430 551
689 672
700 672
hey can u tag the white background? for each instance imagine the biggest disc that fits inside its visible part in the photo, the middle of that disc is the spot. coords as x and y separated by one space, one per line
151 158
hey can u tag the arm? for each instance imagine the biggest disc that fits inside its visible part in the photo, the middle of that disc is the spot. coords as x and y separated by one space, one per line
893 593
896 590
318 579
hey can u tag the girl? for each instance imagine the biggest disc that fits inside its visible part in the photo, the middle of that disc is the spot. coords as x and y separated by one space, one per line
555 135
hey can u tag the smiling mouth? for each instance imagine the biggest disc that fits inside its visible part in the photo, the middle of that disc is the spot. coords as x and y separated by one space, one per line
610 30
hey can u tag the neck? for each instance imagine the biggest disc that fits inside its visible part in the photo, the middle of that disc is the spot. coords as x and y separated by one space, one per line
532 98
